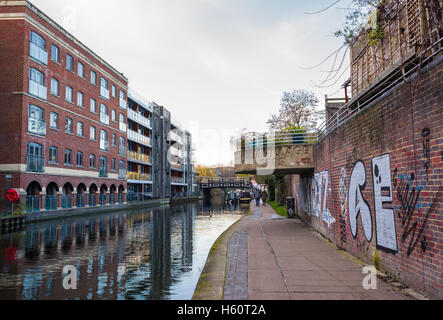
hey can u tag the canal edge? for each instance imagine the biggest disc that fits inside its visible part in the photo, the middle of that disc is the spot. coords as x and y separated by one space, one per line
211 284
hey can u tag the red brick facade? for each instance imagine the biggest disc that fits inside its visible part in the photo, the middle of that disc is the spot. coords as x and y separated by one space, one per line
16 23
382 176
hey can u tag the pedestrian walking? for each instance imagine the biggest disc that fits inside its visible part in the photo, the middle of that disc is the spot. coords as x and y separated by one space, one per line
264 196
257 197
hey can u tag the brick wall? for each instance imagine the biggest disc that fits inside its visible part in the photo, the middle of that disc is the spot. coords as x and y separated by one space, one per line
381 174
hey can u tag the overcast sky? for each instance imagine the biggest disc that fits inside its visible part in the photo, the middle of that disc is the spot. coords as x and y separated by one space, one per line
217 65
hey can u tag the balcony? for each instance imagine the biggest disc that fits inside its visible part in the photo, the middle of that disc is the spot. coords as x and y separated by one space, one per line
137 137
175 137
37 126
123 127
178 180
138 157
123 103
139 176
177 167
35 164
104 93
175 152
103 172
135 116
38 90
122 174
38 53
104 118
104 145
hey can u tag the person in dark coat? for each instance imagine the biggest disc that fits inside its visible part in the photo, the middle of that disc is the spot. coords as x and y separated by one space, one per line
264 197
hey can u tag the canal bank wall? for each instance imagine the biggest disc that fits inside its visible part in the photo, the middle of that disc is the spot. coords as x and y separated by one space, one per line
41 216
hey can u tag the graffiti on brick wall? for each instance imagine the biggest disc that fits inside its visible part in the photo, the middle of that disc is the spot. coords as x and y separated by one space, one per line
358 206
320 197
384 217
343 193
426 134
385 232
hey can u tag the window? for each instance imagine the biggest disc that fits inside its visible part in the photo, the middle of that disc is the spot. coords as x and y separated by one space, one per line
69 94
37 84
93 78
81 70
54 87
114 140
114 115
114 91
104 143
121 146
122 118
93 106
80 99
80 129
68 125
121 165
104 89
35 159
37 48
92 161
104 116
113 165
92 134
103 167
55 54
79 159
69 63
68 157
122 100
53 120
53 155
36 120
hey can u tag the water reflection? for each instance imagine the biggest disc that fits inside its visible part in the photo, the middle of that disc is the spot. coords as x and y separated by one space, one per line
155 254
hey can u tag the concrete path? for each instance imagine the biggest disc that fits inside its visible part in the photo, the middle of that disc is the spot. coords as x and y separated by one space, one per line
286 260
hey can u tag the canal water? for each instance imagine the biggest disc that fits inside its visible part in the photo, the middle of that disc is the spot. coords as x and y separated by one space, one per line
149 254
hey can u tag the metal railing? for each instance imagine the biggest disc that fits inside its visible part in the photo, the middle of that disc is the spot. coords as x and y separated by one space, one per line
132 155
103 172
139 176
32 204
178 180
122 174
104 145
104 92
104 118
348 111
283 138
135 116
80 200
139 196
51 203
35 163
137 137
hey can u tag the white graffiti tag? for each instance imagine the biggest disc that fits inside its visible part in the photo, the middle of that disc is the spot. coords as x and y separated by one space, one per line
357 204
320 196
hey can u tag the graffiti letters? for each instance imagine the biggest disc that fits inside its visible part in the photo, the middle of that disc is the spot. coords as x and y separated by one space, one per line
343 192
357 204
320 196
384 217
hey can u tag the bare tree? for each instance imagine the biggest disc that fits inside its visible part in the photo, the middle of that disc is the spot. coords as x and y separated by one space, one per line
298 110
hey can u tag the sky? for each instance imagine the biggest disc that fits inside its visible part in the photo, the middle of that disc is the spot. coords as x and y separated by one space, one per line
219 66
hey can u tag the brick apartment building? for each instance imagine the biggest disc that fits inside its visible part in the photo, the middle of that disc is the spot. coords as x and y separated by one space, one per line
64 120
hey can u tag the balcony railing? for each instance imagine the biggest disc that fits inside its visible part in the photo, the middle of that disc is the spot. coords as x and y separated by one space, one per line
38 53
38 90
177 167
104 93
138 156
175 137
137 137
35 163
104 145
37 126
136 196
178 180
135 116
139 176
104 118
103 172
